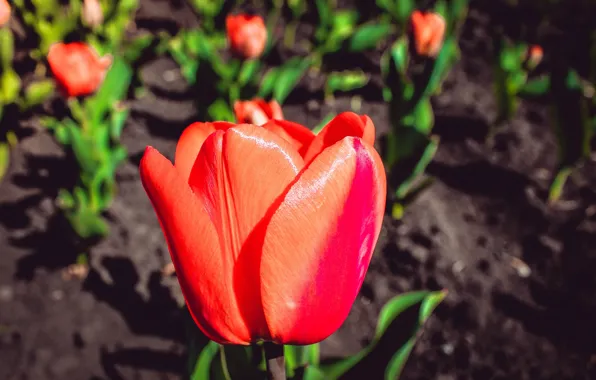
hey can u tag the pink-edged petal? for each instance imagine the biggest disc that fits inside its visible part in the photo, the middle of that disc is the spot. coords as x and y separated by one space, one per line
190 143
298 135
319 242
343 125
240 175
205 275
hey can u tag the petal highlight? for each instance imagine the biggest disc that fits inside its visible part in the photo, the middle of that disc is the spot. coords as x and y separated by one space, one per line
319 242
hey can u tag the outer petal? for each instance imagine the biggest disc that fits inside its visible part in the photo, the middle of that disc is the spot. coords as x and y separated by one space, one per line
319 242
344 124
299 136
190 143
240 175
205 275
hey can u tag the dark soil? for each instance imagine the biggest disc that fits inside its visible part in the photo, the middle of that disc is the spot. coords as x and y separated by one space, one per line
521 275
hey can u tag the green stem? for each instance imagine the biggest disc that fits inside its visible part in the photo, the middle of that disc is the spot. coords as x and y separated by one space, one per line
556 189
274 357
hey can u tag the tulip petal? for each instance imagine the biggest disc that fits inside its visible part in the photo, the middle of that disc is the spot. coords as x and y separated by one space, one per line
319 242
344 124
190 143
240 175
298 135
204 274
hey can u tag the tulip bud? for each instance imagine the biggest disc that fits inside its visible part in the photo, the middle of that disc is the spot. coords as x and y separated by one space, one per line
428 29
92 14
4 12
78 69
247 35
257 111
534 56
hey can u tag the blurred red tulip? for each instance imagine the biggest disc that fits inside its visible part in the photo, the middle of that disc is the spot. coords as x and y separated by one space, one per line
257 111
247 35
271 229
4 12
77 67
428 29
534 56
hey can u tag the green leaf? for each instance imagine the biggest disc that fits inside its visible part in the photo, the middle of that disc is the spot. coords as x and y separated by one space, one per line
220 111
6 48
289 76
248 71
208 8
10 86
135 48
325 12
202 369
268 82
405 190
113 89
87 223
37 92
536 87
389 313
368 36
345 81
117 121
398 361
4 159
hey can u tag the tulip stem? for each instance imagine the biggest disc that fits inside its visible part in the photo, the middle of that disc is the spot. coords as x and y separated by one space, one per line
276 364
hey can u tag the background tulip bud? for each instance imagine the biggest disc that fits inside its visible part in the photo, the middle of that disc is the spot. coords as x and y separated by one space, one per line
4 12
534 56
78 68
428 29
92 14
247 34
257 111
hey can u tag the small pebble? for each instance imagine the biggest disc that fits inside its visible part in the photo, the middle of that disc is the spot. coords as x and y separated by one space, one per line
447 348
6 293
57 295
523 270
458 266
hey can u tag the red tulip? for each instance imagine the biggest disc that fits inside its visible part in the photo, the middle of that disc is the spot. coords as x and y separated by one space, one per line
270 229
247 35
534 56
428 29
4 12
77 67
257 111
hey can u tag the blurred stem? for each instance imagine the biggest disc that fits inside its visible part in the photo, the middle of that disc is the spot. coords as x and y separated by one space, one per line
556 189
290 34
274 357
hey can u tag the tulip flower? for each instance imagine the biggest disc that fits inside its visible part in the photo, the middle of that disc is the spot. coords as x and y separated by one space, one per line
534 56
92 14
257 111
271 229
78 69
428 29
4 12
247 35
